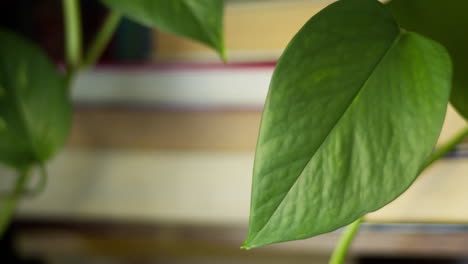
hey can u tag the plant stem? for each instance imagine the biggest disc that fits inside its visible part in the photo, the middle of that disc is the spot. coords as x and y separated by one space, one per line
8 205
346 238
443 150
40 186
348 235
102 38
73 55
73 42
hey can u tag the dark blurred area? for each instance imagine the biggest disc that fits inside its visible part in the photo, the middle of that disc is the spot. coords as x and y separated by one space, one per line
41 21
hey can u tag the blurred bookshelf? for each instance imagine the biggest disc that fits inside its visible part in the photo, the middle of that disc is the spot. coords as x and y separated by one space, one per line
107 242
158 169
164 165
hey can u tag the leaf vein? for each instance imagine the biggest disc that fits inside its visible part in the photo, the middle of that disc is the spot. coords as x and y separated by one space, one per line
352 102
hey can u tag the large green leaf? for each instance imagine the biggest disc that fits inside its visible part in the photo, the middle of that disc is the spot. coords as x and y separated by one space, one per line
34 104
354 109
201 20
446 22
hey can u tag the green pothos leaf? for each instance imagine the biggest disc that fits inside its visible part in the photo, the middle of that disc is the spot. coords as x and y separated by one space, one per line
354 110
446 22
35 109
200 20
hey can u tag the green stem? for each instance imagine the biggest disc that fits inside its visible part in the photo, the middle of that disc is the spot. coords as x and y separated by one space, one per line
449 146
42 180
102 38
8 205
40 186
339 254
73 42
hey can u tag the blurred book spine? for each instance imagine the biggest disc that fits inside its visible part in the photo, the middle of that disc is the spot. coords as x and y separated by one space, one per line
189 86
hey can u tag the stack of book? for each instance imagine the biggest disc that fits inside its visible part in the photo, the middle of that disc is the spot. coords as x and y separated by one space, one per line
175 141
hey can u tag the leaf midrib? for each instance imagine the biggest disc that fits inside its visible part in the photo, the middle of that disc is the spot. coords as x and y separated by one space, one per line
352 102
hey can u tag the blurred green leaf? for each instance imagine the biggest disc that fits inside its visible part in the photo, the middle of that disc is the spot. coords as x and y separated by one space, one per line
200 20
35 109
447 23
354 110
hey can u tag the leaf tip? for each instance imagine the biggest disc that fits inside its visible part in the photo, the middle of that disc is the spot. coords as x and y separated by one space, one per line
222 53
247 245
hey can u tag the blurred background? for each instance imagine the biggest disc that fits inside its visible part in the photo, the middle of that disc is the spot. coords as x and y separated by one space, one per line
158 165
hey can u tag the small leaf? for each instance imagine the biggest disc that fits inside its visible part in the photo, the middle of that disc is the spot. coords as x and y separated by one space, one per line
446 22
200 20
354 110
35 109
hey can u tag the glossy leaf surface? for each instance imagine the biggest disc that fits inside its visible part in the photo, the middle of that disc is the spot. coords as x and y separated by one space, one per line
201 20
34 105
447 23
354 110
